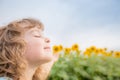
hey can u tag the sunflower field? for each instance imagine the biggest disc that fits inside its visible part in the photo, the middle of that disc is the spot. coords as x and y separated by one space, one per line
92 64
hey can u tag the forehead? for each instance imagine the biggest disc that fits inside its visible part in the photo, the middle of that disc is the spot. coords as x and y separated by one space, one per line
34 30
31 23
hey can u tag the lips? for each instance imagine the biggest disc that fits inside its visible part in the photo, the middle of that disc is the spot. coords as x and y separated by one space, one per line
47 48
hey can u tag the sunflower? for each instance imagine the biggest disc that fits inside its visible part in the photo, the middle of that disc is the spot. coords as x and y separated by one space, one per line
97 51
56 49
67 50
106 54
75 47
109 54
112 51
117 54
101 50
87 53
93 48
60 47
88 50
105 49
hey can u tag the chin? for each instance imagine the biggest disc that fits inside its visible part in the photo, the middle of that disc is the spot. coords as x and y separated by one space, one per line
49 57
48 60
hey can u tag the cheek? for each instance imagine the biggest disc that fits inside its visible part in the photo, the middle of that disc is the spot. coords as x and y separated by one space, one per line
35 53
37 47
34 50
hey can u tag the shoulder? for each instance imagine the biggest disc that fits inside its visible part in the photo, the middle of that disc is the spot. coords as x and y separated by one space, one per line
5 78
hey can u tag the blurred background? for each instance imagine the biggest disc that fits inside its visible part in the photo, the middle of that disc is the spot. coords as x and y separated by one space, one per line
86 22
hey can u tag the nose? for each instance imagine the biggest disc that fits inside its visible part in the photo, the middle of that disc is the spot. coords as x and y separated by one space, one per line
47 40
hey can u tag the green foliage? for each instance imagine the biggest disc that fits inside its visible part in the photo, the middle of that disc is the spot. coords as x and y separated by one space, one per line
72 67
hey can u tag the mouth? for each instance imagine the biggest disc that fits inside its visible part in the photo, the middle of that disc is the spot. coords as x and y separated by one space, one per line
47 48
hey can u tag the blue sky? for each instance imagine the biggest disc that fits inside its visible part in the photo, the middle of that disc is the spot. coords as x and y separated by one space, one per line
86 22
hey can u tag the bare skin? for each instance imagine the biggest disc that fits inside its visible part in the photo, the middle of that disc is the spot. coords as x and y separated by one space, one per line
38 53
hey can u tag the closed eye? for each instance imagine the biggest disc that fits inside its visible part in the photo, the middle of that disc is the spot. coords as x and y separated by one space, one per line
37 33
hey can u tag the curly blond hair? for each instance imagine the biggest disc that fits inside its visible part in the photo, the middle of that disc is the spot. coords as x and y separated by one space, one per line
12 48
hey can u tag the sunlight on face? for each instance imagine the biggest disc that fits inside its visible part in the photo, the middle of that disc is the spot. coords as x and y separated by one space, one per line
38 47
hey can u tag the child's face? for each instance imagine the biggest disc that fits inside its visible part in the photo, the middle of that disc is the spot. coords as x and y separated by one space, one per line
38 47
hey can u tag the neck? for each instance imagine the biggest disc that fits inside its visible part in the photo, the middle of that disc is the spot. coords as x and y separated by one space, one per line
29 72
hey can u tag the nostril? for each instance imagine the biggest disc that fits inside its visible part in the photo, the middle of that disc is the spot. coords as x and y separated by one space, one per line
47 40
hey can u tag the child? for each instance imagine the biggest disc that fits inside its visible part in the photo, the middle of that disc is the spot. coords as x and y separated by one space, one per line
25 52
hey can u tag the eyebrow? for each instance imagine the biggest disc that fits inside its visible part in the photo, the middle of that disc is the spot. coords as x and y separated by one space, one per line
39 31
35 30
